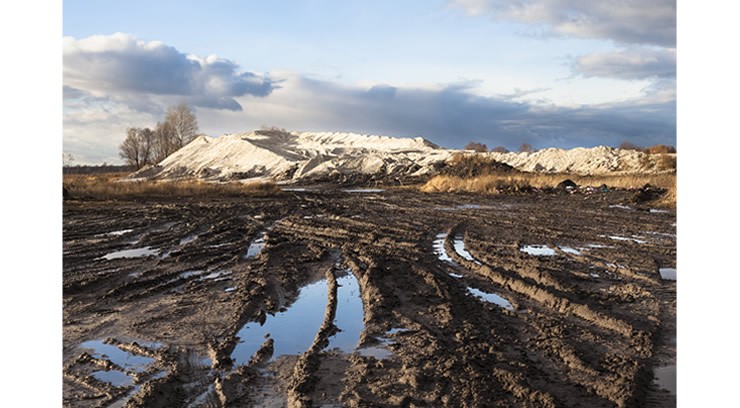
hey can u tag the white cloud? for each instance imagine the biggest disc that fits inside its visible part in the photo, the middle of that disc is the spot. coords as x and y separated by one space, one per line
129 70
629 64
625 21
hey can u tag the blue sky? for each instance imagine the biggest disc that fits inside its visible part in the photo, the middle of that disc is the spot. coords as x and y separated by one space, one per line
562 73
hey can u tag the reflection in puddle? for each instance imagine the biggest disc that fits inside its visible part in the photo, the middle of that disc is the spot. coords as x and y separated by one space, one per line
665 377
217 275
668 273
459 245
377 352
131 253
119 232
439 248
569 250
598 246
256 246
624 207
123 359
620 238
188 239
491 298
538 250
349 315
364 190
654 210
288 329
113 377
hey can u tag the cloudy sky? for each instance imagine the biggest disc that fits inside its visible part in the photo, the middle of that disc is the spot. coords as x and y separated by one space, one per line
561 73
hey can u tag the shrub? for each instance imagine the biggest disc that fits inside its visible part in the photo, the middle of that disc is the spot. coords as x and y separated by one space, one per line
475 146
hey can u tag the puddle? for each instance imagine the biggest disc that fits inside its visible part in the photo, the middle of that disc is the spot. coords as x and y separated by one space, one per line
490 298
231 289
122 358
379 351
538 250
190 274
364 190
131 253
218 275
569 250
594 275
439 248
293 330
256 247
349 316
455 275
624 207
119 232
459 245
397 330
654 210
188 239
113 377
295 189
665 378
598 246
668 273
621 238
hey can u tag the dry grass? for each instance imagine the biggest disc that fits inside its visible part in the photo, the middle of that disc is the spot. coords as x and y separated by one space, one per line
115 186
520 181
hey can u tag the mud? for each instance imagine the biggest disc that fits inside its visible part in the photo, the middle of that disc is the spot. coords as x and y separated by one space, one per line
589 325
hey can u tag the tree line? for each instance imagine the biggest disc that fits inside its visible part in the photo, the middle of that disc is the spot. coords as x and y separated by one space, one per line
144 146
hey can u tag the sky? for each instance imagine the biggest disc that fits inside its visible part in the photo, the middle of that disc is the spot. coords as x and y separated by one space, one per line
552 73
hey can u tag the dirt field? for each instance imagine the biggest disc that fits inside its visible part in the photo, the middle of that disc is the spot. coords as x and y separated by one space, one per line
536 300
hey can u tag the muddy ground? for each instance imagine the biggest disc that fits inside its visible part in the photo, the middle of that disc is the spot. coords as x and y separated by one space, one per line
158 291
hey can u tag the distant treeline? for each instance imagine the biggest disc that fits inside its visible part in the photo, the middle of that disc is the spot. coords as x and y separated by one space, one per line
99 169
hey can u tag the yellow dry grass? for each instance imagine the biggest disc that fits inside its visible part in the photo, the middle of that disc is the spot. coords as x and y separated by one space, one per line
115 186
516 181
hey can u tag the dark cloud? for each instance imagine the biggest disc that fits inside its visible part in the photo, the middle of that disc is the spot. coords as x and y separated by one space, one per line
625 21
629 64
453 115
126 68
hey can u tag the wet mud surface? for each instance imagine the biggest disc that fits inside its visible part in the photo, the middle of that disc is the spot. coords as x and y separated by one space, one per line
378 298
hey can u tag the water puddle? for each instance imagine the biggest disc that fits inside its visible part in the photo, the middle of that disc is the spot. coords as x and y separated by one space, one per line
188 239
538 250
654 210
122 358
216 276
349 316
490 298
668 273
621 238
665 378
467 207
230 289
297 189
364 190
292 330
459 245
118 233
113 377
131 253
569 250
256 246
439 248
190 274
624 207
598 246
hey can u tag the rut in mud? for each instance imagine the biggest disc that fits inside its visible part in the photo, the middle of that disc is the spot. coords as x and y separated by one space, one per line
369 298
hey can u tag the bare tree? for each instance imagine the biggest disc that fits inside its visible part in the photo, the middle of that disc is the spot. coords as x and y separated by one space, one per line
525 147
136 148
475 146
629 146
184 124
164 142
500 149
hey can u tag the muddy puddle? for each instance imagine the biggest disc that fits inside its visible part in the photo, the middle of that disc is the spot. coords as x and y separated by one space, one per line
665 378
490 298
363 190
633 238
131 253
439 248
256 246
459 246
570 250
349 315
380 350
292 331
667 273
122 358
538 250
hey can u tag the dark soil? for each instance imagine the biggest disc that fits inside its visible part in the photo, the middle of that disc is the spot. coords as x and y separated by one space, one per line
588 326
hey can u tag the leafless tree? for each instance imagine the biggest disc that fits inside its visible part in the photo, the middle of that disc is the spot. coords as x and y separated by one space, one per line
164 142
184 124
475 146
500 149
525 147
136 148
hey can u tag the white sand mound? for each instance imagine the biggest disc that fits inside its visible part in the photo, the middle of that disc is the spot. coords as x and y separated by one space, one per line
292 156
